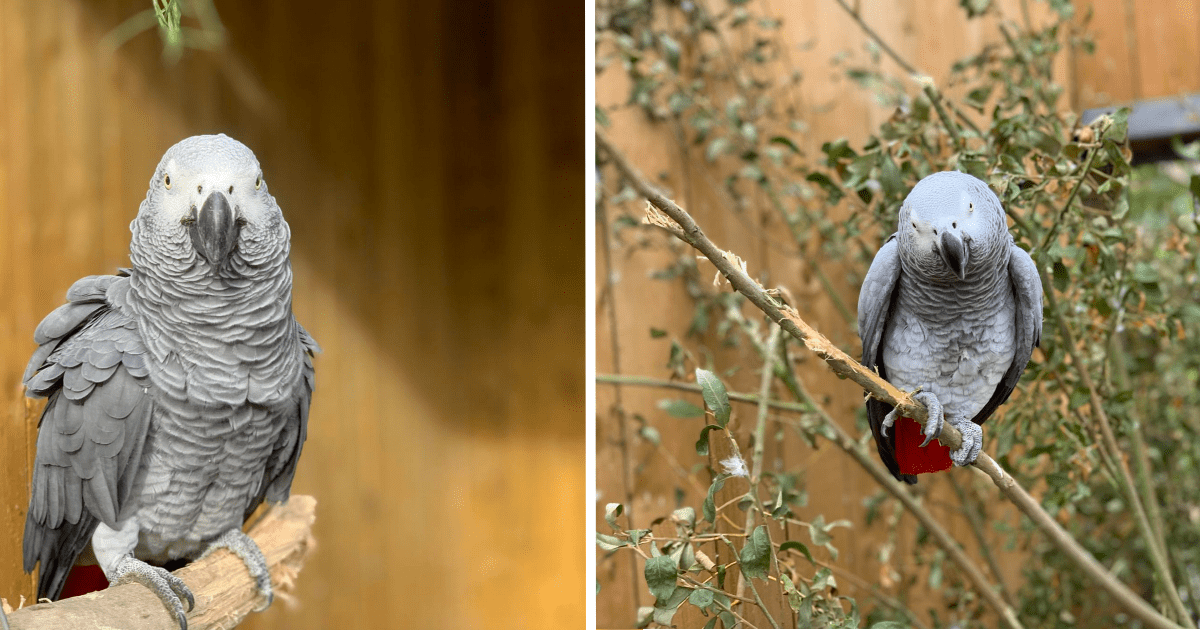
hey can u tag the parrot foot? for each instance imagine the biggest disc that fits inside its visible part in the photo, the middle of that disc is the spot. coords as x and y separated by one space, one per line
888 421
933 426
245 548
972 442
170 589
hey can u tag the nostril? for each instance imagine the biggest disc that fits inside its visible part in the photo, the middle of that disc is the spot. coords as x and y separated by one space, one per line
954 225
231 190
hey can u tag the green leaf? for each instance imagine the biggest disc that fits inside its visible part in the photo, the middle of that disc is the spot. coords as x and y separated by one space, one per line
716 148
702 443
822 579
670 50
1120 126
657 333
685 515
664 609
612 512
701 598
650 434
1194 185
680 408
710 507
660 576
798 546
755 558
602 117
785 142
795 598
608 543
1061 277
715 395
888 625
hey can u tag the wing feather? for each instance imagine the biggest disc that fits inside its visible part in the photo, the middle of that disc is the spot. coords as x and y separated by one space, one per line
90 366
875 302
1027 289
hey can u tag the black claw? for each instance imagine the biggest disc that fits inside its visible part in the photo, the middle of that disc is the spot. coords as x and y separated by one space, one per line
182 621
928 439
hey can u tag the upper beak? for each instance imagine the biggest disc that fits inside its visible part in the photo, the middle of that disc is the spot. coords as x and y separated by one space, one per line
214 229
954 252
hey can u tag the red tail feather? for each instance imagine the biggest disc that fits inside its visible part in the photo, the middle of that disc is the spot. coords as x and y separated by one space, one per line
913 459
84 579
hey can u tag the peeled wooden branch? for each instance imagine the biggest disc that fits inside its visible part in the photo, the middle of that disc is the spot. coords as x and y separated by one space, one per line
224 592
846 367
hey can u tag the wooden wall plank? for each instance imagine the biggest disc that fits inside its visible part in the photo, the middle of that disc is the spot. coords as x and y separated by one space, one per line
1168 41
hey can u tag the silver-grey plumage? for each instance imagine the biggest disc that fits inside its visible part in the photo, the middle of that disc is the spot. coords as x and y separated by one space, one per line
178 389
952 306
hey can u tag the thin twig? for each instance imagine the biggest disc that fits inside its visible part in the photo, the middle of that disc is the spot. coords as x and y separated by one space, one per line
844 366
908 67
984 548
1141 457
1158 556
760 433
618 406
757 598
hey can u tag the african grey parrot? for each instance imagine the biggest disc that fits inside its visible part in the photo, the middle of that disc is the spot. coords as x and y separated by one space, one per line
178 389
953 307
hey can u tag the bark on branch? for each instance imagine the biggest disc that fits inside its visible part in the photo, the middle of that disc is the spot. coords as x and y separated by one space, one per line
685 228
224 592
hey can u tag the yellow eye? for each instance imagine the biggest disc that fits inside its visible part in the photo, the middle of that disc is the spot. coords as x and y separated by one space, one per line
167 181
258 182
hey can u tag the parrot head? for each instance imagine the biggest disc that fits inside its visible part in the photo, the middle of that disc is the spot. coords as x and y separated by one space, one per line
949 223
208 204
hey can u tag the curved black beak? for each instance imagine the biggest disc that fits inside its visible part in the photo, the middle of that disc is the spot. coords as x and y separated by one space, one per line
214 229
954 252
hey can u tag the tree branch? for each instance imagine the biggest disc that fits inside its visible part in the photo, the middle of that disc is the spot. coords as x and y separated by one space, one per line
222 586
846 367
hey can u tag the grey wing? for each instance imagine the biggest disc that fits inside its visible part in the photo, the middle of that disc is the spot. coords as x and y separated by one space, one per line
281 466
875 301
91 365
1027 289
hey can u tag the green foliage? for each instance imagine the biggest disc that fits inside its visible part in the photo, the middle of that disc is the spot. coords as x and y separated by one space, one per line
1117 248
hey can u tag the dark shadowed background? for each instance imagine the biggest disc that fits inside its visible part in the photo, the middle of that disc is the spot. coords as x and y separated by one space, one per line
428 156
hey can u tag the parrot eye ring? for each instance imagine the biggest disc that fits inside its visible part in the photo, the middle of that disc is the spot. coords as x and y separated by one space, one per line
258 182
167 181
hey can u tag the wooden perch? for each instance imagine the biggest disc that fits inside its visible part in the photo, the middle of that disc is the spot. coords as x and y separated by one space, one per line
681 224
224 592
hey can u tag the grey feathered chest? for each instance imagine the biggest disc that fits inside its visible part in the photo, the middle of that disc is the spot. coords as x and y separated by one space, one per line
954 338
226 363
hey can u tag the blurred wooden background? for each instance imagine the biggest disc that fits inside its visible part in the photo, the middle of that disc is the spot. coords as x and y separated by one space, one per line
428 156
1144 49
